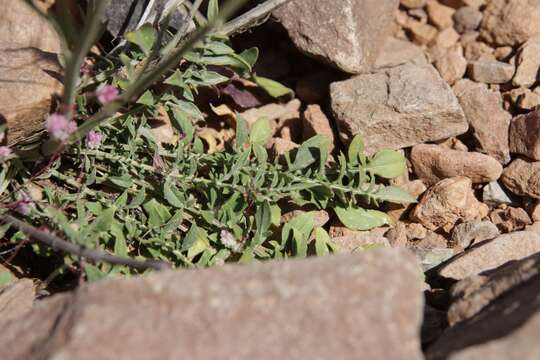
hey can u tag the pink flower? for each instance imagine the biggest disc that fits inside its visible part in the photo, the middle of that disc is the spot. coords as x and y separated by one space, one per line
5 153
107 94
93 139
59 127
25 205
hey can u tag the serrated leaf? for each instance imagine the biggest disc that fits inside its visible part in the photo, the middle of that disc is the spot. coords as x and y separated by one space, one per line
362 219
144 37
260 131
387 164
273 88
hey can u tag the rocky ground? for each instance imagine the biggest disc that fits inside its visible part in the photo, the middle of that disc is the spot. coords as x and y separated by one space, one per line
454 84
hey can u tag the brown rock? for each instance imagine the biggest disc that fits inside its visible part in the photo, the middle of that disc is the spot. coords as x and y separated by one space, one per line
523 178
397 235
510 22
467 18
468 233
281 146
422 34
535 227
528 100
316 123
448 202
359 242
487 118
397 52
447 38
502 53
433 163
439 14
415 188
418 14
452 65
413 4
535 211
288 306
510 219
491 71
475 50
16 299
453 144
348 37
396 108
528 63
524 135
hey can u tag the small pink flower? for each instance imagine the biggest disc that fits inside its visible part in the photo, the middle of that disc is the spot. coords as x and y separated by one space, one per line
25 205
59 127
107 94
5 153
93 139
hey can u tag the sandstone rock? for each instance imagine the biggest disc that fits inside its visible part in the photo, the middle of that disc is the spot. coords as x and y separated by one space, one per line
494 195
440 15
452 65
535 211
506 321
467 18
453 144
421 33
528 101
16 299
524 135
415 188
416 232
430 258
396 108
348 37
510 22
491 254
355 303
523 178
502 53
397 52
448 202
491 71
535 227
413 4
488 120
397 235
476 50
278 114
433 163
469 36
468 233
447 38
510 219
359 242
418 14
315 122
281 146
528 63
31 72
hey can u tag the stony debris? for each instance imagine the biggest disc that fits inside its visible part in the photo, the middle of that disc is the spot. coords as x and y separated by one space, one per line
397 52
348 37
447 202
524 135
413 4
488 120
16 299
467 18
528 100
522 178
489 71
359 242
528 63
491 254
452 65
421 33
433 163
469 233
398 107
510 219
447 38
439 14
494 195
354 302
315 122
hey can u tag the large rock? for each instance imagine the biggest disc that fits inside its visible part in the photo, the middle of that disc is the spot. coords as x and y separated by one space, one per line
528 64
487 118
506 328
342 307
16 299
31 72
523 178
491 254
397 107
525 135
348 36
433 163
510 22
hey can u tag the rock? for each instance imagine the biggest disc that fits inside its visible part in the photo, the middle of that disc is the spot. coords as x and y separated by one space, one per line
491 254
397 235
348 37
278 114
353 302
359 242
430 258
494 195
524 135
448 202
281 146
528 101
320 217
315 122
16 299
396 108
488 120
467 18
421 33
535 211
453 144
522 178
502 53
416 232
413 4
452 65
415 188
31 72
468 233
528 63
506 321
510 219
433 163
476 50
510 22
447 38
418 14
397 52
535 227
491 71
440 15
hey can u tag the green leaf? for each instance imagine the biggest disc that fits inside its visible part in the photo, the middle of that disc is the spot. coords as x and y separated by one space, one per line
158 214
321 241
144 37
250 56
93 273
5 277
260 131
242 132
263 220
362 219
393 194
123 182
301 227
387 164
171 194
104 221
311 150
211 78
146 99
138 199
213 10
273 88
120 245
356 150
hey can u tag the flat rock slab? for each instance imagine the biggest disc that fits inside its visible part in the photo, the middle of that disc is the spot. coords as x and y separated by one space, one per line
348 35
491 254
397 107
367 305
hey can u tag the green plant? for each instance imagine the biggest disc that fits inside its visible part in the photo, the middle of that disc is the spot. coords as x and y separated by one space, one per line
128 194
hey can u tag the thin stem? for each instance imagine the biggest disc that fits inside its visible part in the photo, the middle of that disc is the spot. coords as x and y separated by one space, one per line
252 18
